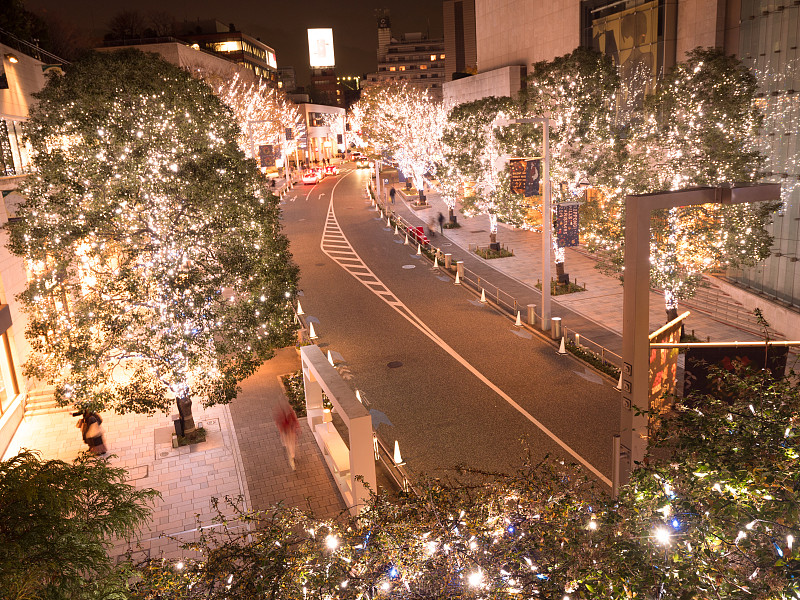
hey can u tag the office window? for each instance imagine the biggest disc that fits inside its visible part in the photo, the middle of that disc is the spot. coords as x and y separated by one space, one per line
392 68
402 68
441 56
433 57
423 66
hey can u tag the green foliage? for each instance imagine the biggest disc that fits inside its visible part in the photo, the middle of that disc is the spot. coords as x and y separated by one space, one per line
713 513
159 269
295 392
489 253
58 522
592 358
195 437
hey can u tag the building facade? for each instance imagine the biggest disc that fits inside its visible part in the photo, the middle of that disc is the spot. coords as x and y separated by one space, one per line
513 34
768 44
24 72
412 58
460 44
325 136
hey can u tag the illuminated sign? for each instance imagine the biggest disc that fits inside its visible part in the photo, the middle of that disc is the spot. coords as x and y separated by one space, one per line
320 48
271 59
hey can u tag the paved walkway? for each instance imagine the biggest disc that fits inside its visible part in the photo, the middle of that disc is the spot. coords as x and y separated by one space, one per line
595 313
243 458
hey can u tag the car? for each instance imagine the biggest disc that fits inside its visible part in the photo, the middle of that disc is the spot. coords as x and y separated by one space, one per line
311 177
362 163
331 170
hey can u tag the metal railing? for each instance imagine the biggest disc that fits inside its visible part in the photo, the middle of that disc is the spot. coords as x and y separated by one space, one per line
499 297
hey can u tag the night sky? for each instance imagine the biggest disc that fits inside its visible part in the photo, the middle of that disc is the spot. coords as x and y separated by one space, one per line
281 25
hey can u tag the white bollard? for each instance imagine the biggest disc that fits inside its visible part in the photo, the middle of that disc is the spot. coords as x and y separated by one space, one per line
312 335
483 295
562 348
518 323
300 309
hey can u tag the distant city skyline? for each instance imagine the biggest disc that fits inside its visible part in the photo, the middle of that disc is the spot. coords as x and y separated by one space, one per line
281 25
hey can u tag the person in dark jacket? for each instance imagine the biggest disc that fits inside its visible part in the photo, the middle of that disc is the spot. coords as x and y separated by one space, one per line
90 430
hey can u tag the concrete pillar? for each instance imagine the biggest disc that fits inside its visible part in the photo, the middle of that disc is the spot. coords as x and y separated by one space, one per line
460 269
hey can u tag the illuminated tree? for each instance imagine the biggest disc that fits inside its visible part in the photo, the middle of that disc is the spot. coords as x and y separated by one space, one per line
406 122
713 513
263 113
58 524
158 270
699 128
476 153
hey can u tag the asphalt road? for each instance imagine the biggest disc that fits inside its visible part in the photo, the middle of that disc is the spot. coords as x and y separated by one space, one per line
472 390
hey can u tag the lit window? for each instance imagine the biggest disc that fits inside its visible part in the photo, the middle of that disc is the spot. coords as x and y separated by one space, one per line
402 67
441 56
423 66
231 46
433 57
392 68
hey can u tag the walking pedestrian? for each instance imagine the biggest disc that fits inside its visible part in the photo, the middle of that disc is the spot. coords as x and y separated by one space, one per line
89 424
288 427
440 218
392 192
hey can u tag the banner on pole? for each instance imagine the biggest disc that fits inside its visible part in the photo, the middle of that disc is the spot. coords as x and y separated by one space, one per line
266 155
567 224
517 167
289 134
533 171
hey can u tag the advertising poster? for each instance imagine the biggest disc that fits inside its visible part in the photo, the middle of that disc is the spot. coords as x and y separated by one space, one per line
518 169
697 376
533 170
664 366
289 134
266 155
567 224
320 48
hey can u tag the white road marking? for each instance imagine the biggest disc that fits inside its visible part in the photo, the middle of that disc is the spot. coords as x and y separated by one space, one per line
335 246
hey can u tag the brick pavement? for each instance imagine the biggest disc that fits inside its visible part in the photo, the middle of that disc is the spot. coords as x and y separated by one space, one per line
269 477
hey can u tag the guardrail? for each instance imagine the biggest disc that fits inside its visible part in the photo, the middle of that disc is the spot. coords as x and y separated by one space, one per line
383 454
500 298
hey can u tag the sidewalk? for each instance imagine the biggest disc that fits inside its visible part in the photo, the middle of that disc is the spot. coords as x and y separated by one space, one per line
242 458
595 313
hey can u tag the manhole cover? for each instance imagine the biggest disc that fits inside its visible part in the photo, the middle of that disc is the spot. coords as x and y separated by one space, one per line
394 364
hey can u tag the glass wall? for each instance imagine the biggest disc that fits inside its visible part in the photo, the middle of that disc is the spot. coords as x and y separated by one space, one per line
768 44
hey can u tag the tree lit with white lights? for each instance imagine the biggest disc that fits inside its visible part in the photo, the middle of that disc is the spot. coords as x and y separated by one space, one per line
158 272
404 121
263 113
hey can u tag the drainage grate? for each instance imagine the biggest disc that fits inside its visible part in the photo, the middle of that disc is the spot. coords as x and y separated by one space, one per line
394 364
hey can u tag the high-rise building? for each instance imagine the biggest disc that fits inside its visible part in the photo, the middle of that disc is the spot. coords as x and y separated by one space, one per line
413 58
460 44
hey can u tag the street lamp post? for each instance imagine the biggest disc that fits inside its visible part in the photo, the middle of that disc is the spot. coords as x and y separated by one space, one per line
547 217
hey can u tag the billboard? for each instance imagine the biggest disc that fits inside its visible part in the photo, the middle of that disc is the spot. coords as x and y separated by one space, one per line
320 48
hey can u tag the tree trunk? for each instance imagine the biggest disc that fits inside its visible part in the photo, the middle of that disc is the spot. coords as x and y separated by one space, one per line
450 215
185 411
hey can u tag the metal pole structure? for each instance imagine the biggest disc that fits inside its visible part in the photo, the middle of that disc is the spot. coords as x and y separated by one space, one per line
547 218
636 304
547 232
